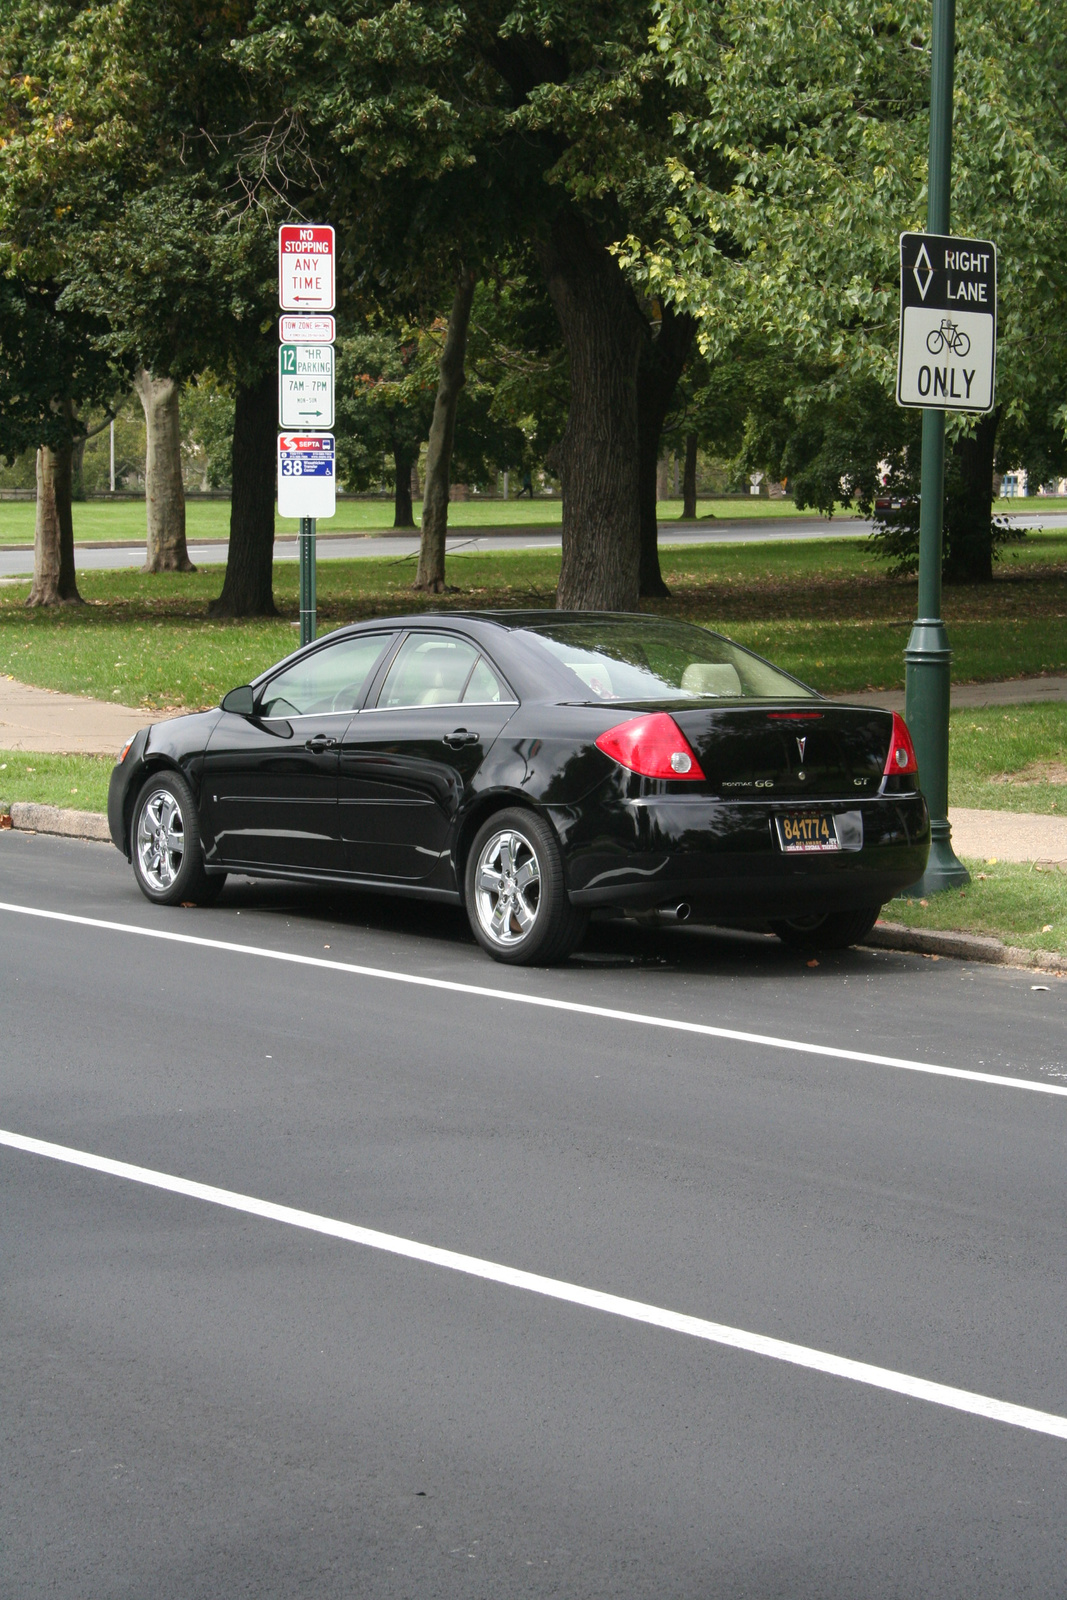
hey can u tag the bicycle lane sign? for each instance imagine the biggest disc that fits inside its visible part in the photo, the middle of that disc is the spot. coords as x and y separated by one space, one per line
948 322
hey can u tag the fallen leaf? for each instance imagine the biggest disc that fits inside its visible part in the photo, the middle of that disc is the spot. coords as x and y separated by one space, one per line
1047 928
188 905
813 963
924 902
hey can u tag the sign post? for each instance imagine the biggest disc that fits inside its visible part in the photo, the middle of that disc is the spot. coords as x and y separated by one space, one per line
940 345
306 462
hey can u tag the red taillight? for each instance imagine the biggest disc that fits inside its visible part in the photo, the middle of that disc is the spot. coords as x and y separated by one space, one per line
653 746
901 757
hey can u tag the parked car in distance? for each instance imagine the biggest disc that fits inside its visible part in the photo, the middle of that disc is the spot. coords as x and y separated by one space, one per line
535 766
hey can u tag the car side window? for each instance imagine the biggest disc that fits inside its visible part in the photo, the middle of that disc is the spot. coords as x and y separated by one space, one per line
330 679
483 686
429 669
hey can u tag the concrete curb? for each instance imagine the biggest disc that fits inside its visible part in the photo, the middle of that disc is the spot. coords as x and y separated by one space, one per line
33 818
961 947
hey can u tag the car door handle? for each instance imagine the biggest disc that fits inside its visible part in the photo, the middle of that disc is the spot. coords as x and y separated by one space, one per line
320 743
459 737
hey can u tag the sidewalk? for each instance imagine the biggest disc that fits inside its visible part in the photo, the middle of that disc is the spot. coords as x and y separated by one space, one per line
42 720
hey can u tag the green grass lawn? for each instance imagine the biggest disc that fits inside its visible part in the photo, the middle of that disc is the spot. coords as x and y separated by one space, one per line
77 782
1017 904
821 608
97 521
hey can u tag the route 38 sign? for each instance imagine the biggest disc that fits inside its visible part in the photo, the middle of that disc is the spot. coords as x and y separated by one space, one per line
948 322
306 477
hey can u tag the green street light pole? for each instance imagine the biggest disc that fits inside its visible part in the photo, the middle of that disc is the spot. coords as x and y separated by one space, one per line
928 657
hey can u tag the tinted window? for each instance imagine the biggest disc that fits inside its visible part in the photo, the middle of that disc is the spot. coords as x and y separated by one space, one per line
331 679
660 661
430 669
484 687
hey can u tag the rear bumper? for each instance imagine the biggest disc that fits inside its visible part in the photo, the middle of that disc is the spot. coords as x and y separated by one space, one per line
725 858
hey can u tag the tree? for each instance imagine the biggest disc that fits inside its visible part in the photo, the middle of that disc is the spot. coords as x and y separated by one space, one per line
130 138
824 117
452 136
430 574
384 407
164 490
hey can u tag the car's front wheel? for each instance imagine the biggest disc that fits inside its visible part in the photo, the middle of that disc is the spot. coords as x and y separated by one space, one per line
168 860
515 892
829 930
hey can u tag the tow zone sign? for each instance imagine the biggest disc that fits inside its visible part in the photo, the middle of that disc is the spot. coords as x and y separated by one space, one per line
948 322
306 268
307 481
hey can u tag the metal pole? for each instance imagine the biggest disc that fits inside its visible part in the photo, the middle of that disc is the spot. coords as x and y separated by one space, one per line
927 656
112 455
307 580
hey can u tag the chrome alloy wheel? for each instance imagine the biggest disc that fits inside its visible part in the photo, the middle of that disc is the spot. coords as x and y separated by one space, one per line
507 888
160 840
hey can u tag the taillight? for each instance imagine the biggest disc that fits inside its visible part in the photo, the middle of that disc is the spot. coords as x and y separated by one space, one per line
901 757
653 746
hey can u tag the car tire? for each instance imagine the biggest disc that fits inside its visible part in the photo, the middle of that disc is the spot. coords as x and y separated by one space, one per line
515 892
830 930
165 844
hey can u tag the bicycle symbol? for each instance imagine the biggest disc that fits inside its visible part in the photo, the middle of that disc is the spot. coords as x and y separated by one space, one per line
947 337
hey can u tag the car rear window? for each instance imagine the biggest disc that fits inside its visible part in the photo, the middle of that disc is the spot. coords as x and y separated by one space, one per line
624 660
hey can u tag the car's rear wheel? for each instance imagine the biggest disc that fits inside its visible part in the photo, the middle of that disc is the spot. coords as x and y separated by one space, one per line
515 891
829 930
165 844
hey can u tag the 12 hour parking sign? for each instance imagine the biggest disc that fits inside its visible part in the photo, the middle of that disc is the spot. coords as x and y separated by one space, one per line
948 322
306 475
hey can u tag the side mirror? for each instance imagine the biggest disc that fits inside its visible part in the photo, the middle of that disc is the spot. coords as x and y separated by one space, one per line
242 702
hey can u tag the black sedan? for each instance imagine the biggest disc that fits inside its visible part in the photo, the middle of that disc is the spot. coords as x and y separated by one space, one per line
534 767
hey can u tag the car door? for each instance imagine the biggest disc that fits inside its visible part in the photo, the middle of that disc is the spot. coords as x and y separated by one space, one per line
408 760
270 780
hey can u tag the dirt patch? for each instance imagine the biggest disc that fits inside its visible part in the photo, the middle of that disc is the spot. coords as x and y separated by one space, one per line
1037 772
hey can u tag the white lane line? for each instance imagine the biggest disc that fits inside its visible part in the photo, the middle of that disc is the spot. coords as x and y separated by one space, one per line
576 1007
798 1355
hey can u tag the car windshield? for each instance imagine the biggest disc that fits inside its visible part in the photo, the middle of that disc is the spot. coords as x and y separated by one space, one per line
637 660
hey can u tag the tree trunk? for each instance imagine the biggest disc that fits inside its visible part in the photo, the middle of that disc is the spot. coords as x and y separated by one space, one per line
431 569
661 365
969 506
247 589
164 491
597 456
403 510
689 479
54 579
77 467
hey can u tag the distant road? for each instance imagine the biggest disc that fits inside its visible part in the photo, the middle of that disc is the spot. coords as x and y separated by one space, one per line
476 540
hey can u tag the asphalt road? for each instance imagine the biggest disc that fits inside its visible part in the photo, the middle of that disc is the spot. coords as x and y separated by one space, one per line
200 1396
16 563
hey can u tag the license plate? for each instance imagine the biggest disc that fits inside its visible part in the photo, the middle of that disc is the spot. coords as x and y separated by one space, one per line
809 833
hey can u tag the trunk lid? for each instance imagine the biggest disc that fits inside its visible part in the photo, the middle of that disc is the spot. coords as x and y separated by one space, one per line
783 753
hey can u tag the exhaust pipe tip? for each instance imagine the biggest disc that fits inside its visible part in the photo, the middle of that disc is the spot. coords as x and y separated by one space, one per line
655 919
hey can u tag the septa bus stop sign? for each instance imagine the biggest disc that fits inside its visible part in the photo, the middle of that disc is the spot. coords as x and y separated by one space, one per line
306 477
948 322
305 268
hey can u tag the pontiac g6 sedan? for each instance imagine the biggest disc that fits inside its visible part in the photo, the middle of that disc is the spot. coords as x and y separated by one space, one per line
534 767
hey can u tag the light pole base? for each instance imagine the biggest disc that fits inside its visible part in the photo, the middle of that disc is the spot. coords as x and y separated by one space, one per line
944 869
